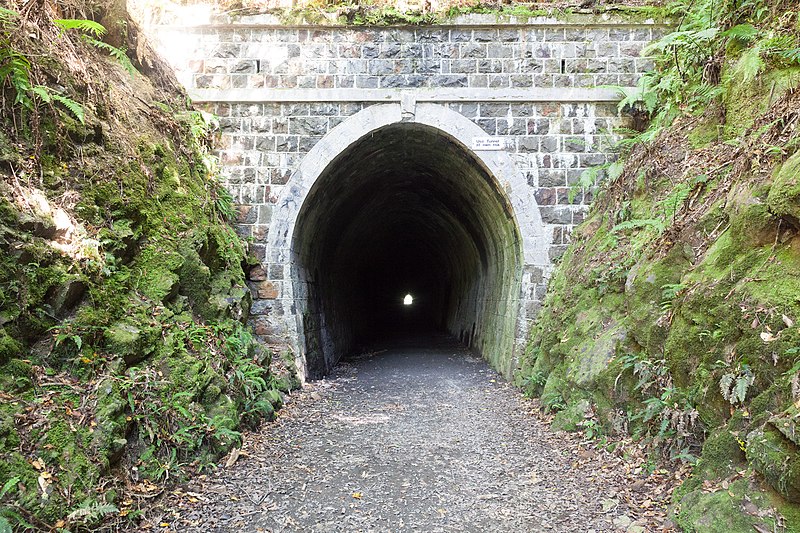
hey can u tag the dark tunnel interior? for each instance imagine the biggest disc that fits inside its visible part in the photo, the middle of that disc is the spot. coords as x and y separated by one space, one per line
405 210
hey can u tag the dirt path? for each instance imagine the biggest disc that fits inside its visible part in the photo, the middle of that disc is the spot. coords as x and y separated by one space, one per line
412 439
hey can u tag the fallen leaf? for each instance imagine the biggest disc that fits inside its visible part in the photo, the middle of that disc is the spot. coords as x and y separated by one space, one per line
788 321
609 504
357 495
232 458
768 337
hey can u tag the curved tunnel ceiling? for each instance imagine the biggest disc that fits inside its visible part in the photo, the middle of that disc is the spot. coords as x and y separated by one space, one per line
404 209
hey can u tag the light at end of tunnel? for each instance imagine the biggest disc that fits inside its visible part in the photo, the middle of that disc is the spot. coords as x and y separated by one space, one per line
408 300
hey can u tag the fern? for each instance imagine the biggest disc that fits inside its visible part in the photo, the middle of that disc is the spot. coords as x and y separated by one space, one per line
792 55
734 385
742 33
89 513
118 53
88 27
46 94
8 485
750 64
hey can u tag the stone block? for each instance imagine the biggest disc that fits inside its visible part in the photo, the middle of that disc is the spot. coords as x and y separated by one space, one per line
246 214
462 66
499 51
554 35
478 80
367 82
546 195
287 143
528 144
257 273
490 66
521 81
380 67
472 50
554 254
460 35
267 289
314 125
510 35
344 82
556 214
552 177
484 35
449 80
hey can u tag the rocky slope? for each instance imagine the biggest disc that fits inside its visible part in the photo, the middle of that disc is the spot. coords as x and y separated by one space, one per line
673 316
124 361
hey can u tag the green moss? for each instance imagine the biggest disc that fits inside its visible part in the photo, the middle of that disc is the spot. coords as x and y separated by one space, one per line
722 511
777 458
16 376
9 347
572 418
784 194
705 132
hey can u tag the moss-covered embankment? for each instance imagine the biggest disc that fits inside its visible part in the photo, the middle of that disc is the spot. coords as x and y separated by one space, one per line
124 359
674 314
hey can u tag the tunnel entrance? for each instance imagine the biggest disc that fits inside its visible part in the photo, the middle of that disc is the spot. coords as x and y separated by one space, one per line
405 210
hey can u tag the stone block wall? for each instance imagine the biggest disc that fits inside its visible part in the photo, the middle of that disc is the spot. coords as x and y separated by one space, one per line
536 85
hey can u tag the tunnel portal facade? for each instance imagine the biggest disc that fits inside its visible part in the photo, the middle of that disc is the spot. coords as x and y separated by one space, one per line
435 161
394 202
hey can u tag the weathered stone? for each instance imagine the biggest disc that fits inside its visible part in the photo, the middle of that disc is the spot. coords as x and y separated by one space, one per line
257 273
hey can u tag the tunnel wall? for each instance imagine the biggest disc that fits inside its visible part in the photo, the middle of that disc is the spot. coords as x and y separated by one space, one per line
283 93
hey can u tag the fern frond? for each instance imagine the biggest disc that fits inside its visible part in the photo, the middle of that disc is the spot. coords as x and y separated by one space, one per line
743 33
750 64
74 107
117 53
47 95
792 55
88 27
42 92
8 485
88 513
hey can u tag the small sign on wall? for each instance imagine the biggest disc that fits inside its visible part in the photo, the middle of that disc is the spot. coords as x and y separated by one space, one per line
488 143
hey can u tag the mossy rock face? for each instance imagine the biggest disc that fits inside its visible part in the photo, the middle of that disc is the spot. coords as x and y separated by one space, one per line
787 423
593 356
110 417
133 340
784 195
734 510
17 375
777 459
9 347
572 418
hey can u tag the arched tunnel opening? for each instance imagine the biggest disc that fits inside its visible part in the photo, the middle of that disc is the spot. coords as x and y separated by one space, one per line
405 210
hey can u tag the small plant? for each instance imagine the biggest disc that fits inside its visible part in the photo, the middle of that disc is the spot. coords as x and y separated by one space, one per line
15 71
8 516
669 292
92 32
591 429
90 513
735 384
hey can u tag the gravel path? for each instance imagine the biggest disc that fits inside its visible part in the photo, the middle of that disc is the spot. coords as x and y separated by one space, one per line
410 439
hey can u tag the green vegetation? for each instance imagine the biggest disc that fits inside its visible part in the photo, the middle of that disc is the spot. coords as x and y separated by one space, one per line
125 362
672 316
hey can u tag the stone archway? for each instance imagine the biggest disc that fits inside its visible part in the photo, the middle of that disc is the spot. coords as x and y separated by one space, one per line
392 201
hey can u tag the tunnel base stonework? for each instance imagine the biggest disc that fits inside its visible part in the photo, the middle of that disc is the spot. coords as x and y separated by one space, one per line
523 99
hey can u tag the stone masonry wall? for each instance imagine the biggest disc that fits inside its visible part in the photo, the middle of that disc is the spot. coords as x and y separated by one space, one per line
279 90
